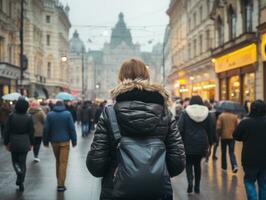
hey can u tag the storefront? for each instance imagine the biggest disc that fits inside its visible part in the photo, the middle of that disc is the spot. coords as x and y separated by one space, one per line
199 81
263 56
8 78
237 74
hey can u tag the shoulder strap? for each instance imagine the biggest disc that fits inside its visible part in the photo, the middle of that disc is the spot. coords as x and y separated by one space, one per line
113 122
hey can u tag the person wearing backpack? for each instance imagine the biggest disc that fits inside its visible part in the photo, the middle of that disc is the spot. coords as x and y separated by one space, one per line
197 130
137 146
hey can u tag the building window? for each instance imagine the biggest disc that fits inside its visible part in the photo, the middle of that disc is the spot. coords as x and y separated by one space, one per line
10 54
220 31
2 41
201 13
208 6
200 44
208 40
49 72
247 12
195 47
189 24
231 22
48 18
48 40
10 8
1 5
189 51
195 19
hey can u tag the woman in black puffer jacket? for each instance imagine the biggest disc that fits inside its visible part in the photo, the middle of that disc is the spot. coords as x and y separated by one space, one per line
141 110
197 130
19 138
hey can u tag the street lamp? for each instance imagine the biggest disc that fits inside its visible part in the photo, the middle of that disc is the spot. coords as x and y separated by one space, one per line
64 58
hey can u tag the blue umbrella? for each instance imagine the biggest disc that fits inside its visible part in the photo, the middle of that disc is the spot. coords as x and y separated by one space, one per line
230 106
64 96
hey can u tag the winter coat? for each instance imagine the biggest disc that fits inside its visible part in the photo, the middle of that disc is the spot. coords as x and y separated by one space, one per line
197 129
38 118
251 132
226 124
86 114
141 111
4 113
59 126
19 125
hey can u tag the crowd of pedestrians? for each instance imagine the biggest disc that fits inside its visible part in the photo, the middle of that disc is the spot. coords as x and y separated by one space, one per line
139 144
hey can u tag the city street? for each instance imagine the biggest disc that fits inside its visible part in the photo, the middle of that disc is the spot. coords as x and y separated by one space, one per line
41 181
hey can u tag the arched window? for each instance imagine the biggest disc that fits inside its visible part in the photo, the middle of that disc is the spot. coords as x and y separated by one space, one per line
231 22
247 15
220 30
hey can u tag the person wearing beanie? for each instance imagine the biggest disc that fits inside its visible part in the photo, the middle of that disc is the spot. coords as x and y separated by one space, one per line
19 138
59 129
38 117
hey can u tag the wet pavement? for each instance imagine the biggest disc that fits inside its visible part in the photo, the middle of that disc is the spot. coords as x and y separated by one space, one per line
40 183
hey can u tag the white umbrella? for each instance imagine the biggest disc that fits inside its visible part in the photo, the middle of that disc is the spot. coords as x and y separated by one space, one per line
11 97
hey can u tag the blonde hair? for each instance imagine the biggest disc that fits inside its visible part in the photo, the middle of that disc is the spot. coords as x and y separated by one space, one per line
133 69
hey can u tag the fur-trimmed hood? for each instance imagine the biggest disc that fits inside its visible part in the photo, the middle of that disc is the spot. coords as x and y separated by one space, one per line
129 85
197 113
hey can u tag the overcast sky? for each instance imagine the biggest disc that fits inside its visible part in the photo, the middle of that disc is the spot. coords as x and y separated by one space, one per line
94 18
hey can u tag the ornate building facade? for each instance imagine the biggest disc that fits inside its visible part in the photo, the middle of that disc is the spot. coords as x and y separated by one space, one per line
225 47
121 47
9 46
46 43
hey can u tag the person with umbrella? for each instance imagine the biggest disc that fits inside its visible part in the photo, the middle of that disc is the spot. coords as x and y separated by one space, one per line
226 124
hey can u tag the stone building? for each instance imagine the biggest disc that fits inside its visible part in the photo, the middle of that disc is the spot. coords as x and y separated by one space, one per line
120 48
224 44
9 46
235 53
191 42
81 69
46 27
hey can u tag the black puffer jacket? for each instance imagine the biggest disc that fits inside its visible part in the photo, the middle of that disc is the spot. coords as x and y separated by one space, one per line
140 112
197 130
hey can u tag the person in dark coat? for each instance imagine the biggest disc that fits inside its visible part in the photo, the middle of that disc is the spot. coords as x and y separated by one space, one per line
141 109
19 138
251 131
86 118
197 130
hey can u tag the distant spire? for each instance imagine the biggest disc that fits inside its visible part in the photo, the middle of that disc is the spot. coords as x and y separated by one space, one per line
76 34
121 16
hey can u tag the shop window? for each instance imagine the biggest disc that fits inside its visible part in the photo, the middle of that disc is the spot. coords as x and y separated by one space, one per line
223 86
247 15
220 31
249 87
232 22
234 88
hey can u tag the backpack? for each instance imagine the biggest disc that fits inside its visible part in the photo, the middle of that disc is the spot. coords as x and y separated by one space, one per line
141 172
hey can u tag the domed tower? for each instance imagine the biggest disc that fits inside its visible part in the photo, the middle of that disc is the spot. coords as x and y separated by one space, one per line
76 45
120 33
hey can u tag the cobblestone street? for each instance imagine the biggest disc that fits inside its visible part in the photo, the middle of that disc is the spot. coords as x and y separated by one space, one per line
41 181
